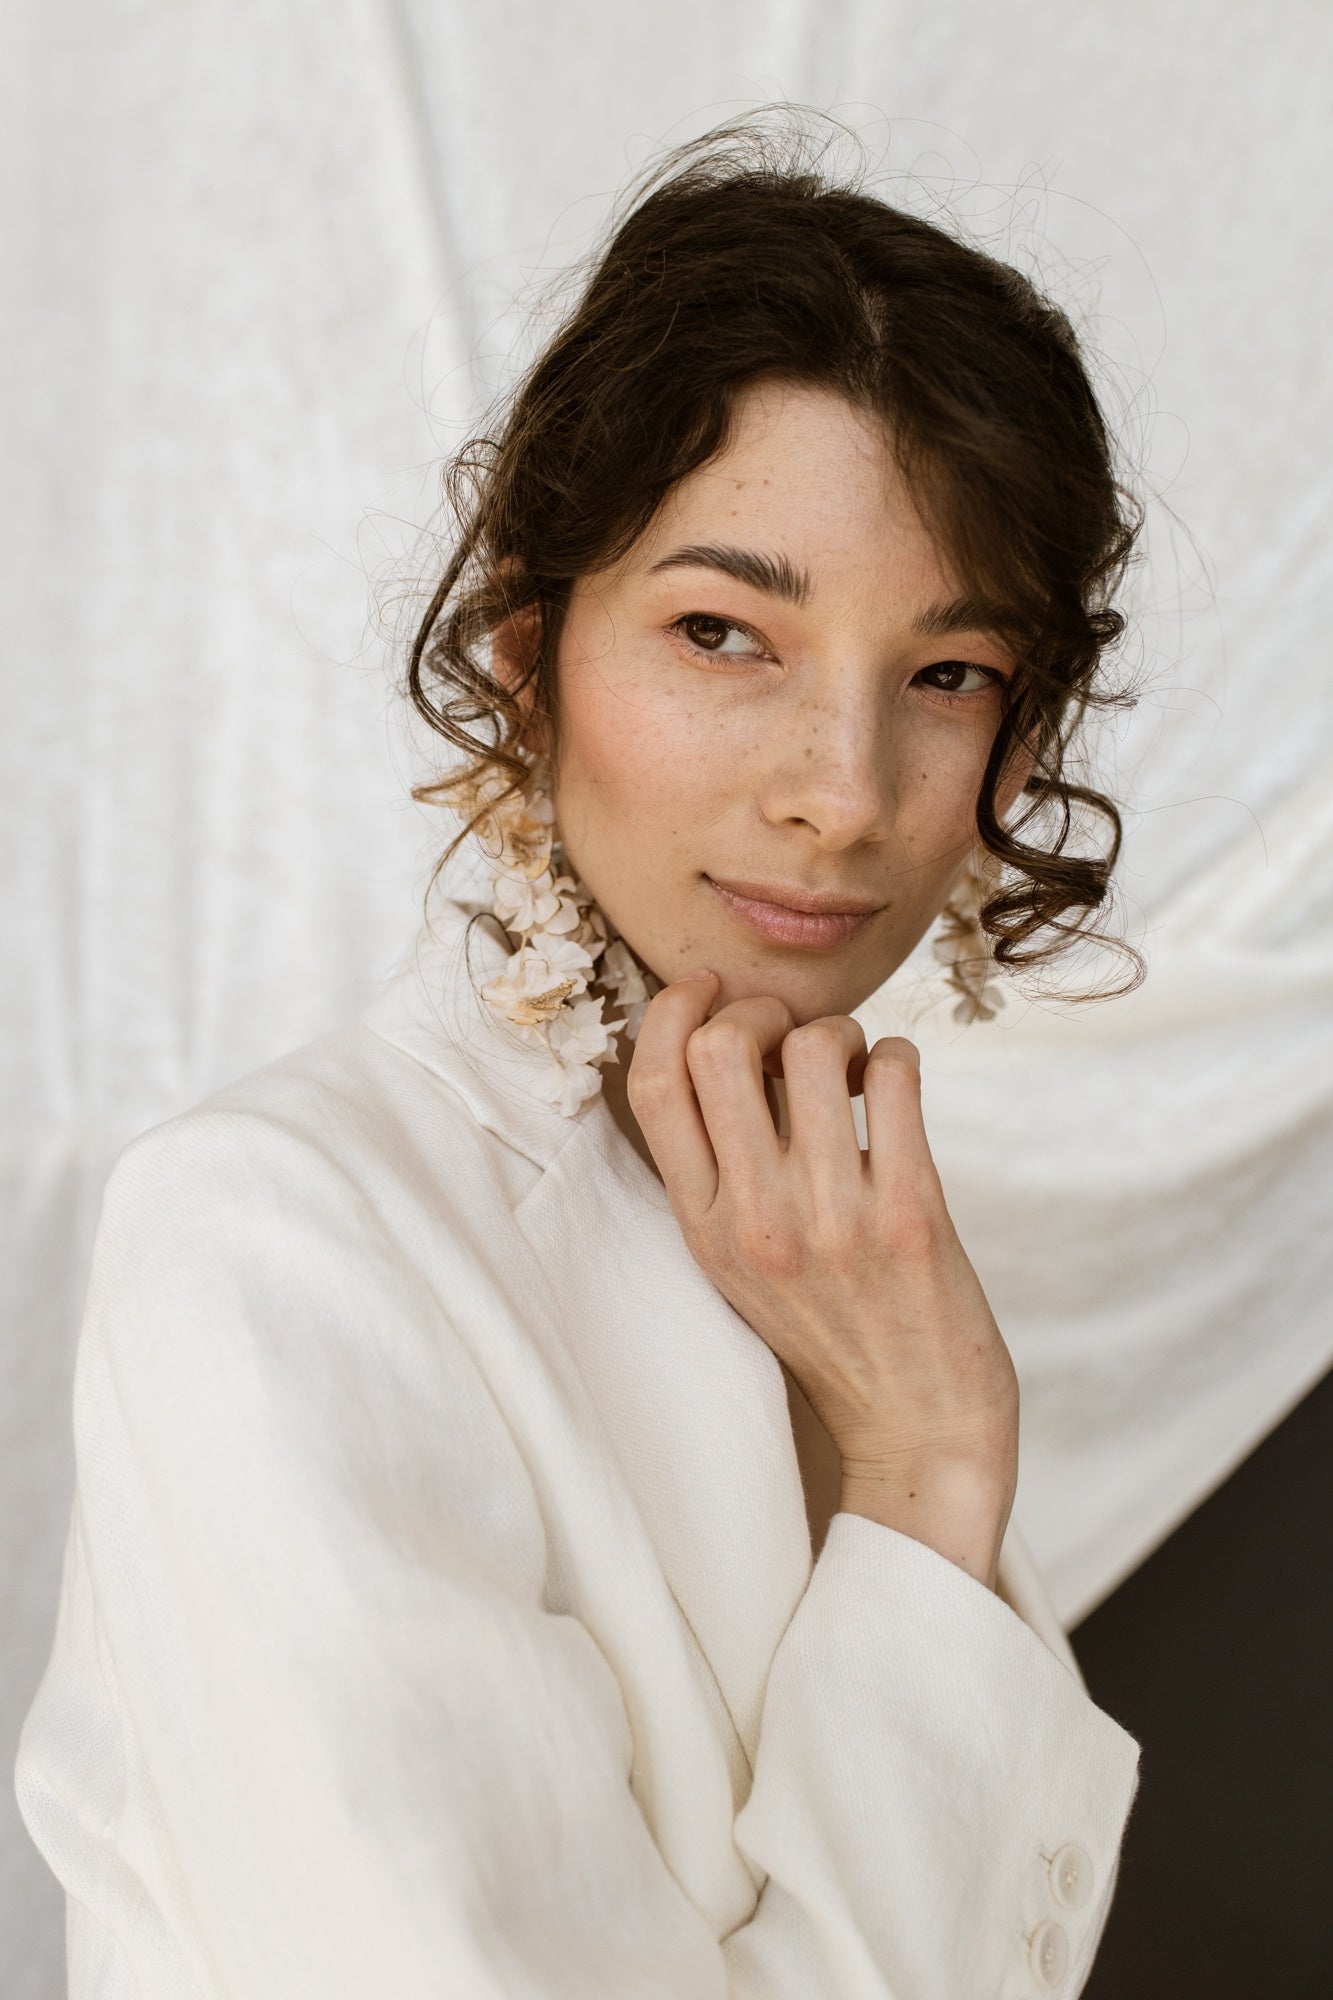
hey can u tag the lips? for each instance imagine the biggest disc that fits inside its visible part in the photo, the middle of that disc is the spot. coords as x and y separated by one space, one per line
813 919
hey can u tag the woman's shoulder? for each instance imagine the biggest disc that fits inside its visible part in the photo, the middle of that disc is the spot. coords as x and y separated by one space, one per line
326 1124
298 1262
334 1215
423 1081
350 1204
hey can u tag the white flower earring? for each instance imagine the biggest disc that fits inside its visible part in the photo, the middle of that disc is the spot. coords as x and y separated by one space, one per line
553 989
963 948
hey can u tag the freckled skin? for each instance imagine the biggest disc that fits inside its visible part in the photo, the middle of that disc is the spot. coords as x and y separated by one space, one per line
815 756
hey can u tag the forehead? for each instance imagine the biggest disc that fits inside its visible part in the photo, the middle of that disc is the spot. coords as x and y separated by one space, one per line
808 476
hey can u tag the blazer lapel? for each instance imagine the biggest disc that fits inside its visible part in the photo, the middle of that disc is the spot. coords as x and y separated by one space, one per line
692 1399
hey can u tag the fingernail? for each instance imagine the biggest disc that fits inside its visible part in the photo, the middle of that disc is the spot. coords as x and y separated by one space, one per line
700 972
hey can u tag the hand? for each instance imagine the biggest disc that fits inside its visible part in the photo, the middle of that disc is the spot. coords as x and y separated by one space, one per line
846 1263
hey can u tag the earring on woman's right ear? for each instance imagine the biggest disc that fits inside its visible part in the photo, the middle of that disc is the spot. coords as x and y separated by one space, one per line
963 947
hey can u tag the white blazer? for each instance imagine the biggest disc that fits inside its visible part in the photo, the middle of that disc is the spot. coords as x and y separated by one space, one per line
438 1614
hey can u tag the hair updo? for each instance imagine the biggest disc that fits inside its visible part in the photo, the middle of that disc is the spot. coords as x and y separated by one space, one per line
740 257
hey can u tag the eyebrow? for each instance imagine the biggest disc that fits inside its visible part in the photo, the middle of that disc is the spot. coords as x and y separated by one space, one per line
778 576
966 614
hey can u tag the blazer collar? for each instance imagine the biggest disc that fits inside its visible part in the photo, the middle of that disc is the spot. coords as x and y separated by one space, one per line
434 1010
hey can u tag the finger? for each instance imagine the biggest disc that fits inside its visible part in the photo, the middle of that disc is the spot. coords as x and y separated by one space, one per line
661 1092
726 1062
900 1156
816 1060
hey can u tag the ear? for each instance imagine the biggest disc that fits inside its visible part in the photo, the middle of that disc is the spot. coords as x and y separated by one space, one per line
513 654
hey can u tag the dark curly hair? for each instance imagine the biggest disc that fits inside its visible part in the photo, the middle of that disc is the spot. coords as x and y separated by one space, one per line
739 257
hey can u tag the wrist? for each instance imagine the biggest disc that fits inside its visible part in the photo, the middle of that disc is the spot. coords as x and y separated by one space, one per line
960 1510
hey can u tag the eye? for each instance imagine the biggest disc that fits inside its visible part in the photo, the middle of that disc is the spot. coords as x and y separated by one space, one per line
954 675
711 634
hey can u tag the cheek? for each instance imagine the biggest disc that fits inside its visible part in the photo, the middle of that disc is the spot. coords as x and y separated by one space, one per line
939 782
944 777
636 754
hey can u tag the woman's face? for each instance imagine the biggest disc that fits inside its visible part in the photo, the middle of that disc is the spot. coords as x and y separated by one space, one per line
768 707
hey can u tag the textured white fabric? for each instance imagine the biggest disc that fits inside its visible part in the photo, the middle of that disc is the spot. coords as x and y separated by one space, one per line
439 1613
260 263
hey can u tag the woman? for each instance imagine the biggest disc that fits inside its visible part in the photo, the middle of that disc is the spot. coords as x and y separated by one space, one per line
544 1456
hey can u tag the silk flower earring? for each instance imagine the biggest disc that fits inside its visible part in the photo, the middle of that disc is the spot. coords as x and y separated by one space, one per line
569 964
963 947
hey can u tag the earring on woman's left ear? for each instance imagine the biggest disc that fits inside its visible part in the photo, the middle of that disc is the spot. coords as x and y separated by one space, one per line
964 948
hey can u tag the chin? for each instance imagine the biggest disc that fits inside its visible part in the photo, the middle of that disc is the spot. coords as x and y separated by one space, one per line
809 992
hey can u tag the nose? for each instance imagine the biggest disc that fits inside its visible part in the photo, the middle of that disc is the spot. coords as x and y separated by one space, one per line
832 771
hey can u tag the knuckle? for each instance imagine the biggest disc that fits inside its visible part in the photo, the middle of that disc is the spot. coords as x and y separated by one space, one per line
814 1037
716 1045
895 1060
834 1236
911 1229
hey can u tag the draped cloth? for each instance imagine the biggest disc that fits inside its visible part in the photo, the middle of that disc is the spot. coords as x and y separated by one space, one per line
266 262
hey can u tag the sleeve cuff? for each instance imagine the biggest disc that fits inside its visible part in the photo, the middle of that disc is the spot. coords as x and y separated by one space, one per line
933 1781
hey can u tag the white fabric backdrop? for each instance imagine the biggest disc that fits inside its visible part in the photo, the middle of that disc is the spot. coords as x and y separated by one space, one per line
261 262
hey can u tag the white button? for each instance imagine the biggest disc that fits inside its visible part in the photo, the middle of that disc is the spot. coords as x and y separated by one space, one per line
1048 1954
1071 1876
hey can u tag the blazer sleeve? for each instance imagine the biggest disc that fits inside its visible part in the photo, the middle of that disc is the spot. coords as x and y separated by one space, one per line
309 1726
